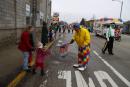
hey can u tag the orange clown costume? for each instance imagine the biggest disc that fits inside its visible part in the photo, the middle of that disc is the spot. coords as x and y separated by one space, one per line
82 39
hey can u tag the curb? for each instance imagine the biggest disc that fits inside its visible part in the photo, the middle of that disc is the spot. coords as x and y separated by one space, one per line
22 74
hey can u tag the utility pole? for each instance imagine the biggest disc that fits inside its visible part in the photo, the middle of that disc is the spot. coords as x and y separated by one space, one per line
34 12
15 19
121 10
46 11
121 1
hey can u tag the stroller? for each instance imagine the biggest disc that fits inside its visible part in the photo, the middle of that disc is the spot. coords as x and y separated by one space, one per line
63 48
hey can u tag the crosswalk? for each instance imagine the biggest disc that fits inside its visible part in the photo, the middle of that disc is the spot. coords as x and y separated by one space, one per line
100 76
103 78
114 70
103 75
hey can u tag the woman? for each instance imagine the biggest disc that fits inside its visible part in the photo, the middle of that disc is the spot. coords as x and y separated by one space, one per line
44 37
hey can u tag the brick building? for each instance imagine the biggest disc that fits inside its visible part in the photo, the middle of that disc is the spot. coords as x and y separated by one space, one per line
15 15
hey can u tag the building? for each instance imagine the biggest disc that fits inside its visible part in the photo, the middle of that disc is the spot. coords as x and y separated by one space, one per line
15 15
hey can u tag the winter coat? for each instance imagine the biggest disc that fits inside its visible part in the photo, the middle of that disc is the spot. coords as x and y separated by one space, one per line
25 44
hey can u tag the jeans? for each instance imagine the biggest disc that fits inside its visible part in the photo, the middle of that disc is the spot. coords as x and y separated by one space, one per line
25 60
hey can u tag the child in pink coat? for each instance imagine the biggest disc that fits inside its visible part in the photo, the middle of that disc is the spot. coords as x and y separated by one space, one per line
40 57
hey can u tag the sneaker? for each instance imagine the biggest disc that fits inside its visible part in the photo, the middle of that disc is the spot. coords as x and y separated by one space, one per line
34 71
76 65
103 51
111 53
82 68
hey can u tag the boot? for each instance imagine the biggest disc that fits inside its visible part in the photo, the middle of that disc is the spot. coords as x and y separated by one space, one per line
42 72
34 71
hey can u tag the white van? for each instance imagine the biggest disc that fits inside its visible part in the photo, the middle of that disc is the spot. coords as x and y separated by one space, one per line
100 29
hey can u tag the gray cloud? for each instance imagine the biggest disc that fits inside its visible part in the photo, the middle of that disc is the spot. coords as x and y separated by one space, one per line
72 10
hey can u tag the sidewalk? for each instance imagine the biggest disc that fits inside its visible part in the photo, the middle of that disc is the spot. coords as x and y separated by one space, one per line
22 74
53 63
11 64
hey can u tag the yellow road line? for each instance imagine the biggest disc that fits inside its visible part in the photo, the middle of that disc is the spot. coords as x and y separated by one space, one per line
49 45
17 79
21 75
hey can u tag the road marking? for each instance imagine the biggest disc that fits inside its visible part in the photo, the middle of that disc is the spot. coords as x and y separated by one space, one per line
22 74
17 79
101 75
91 84
43 84
114 70
80 80
67 76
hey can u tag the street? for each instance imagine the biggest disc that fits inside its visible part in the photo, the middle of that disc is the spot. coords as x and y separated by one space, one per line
36 47
103 70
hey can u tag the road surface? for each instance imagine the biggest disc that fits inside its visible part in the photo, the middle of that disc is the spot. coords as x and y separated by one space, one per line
103 70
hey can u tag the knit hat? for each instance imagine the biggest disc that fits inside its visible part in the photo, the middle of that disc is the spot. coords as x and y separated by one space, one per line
76 26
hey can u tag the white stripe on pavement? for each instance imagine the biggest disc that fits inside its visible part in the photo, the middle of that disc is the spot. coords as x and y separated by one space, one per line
67 76
114 70
80 81
101 75
43 84
91 84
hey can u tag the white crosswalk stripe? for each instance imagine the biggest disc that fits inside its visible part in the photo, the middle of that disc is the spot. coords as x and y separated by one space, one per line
114 70
101 75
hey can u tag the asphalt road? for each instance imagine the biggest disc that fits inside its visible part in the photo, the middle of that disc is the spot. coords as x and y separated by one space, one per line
103 70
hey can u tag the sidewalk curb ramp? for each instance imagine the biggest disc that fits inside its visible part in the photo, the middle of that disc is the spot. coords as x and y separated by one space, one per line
22 74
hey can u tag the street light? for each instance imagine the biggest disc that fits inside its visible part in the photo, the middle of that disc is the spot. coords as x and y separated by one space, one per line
121 1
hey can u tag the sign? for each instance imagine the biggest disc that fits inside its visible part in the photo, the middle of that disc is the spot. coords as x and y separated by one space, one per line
41 15
27 10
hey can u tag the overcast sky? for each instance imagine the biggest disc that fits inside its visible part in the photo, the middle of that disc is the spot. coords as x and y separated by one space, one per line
74 10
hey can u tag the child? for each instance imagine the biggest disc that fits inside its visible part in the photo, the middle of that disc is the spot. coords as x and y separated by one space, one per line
40 56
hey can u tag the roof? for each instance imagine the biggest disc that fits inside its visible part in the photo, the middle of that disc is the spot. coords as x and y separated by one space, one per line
109 21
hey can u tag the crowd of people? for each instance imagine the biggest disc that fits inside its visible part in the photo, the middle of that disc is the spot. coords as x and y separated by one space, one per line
49 33
27 44
55 28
